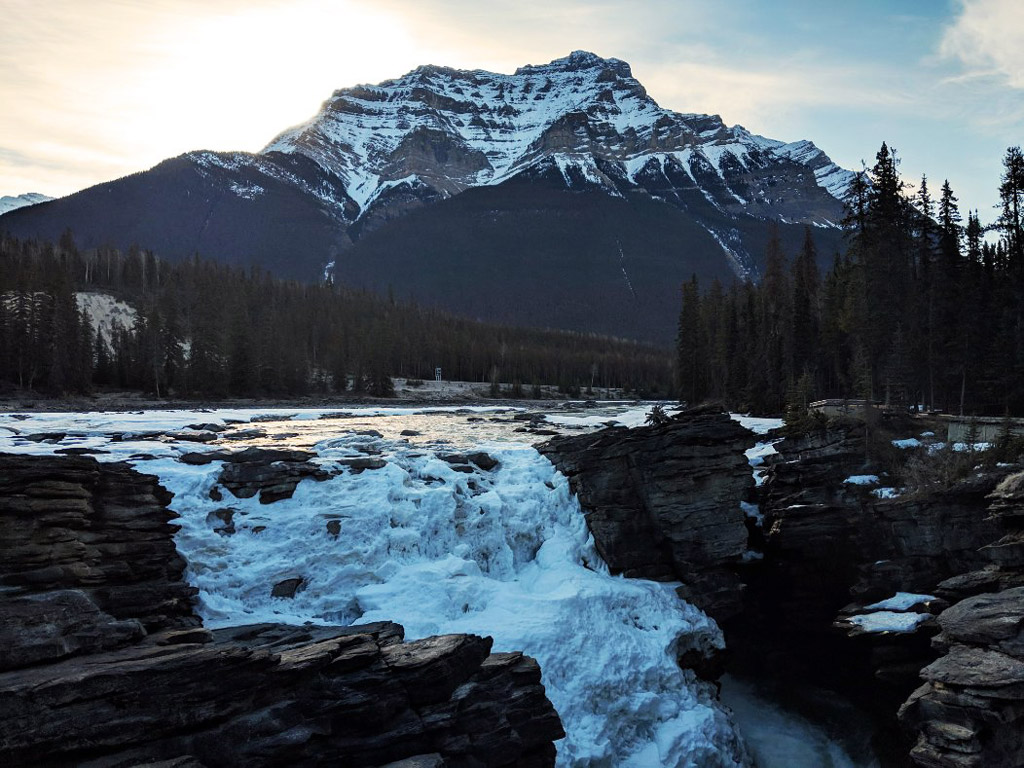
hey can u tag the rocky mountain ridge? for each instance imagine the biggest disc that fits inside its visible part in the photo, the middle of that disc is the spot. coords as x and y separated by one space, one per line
438 131
525 198
11 202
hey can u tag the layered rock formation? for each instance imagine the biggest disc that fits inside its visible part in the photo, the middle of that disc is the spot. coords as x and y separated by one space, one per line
821 526
828 542
104 663
1004 556
663 501
833 548
970 711
100 529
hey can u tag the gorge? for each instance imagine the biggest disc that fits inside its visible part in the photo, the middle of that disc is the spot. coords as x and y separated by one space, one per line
445 521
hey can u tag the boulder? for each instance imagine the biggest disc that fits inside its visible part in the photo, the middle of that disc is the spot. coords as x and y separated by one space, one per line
485 461
190 436
222 520
200 458
252 433
287 587
359 465
272 473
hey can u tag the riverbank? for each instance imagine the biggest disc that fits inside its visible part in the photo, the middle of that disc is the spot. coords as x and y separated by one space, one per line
407 392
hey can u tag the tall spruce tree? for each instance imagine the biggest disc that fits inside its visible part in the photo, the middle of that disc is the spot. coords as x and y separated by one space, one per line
805 309
1011 216
690 346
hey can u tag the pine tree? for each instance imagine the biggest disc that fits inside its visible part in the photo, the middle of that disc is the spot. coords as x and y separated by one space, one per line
773 363
690 346
1011 217
806 312
882 253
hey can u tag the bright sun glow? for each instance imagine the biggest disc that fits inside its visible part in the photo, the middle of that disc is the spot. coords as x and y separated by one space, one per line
234 80
228 75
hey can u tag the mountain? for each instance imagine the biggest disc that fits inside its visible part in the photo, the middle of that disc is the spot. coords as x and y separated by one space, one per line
561 195
9 203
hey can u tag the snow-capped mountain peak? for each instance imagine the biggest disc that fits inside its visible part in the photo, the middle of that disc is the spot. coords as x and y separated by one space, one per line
442 130
11 202
525 198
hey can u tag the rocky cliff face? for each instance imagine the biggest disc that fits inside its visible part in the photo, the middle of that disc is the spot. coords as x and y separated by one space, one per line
439 131
663 502
103 531
821 530
834 555
104 662
970 710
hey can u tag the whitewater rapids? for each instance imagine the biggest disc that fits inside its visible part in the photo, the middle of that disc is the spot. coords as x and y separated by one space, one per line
504 553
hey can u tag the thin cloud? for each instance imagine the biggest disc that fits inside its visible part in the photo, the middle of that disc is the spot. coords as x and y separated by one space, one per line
102 88
986 39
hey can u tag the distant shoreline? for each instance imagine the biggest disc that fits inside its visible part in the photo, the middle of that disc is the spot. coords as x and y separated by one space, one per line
134 401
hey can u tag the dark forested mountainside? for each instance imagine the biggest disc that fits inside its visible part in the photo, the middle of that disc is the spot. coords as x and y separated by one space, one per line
548 257
206 329
922 309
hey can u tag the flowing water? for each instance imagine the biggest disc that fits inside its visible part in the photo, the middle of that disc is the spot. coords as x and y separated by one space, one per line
780 736
503 552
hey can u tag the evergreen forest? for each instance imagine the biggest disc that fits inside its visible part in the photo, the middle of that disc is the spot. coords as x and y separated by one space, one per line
923 310
208 330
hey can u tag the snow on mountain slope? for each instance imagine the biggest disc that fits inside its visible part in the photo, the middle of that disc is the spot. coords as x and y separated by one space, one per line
456 129
412 185
9 202
244 169
105 312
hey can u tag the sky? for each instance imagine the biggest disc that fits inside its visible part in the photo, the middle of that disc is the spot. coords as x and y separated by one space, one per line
91 90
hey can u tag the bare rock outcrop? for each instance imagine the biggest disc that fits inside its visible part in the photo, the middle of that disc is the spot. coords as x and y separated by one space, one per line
272 473
102 529
970 711
663 501
832 549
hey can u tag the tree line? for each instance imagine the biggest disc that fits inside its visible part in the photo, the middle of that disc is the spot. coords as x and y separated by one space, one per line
204 329
923 308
